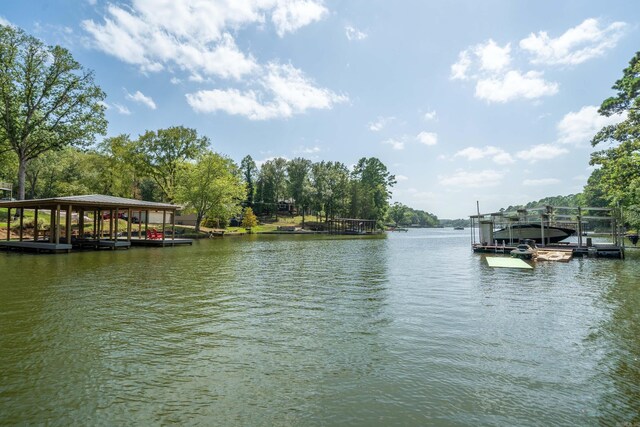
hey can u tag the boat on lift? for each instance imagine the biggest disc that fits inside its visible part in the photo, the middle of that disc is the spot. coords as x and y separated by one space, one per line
520 232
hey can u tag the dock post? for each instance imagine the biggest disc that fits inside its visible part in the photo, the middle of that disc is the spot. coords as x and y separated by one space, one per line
21 223
129 219
68 224
57 232
173 225
35 225
579 227
164 224
8 224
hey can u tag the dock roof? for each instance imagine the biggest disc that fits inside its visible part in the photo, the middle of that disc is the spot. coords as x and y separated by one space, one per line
91 201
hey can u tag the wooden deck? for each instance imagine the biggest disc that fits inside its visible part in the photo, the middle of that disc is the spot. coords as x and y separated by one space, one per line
31 246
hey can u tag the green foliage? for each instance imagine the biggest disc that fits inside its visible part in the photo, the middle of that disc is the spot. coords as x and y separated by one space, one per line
370 189
572 200
48 101
618 178
402 215
116 173
272 185
160 154
298 171
249 219
62 173
211 187
249 174
397 213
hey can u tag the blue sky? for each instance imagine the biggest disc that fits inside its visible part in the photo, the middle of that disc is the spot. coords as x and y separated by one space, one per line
464 101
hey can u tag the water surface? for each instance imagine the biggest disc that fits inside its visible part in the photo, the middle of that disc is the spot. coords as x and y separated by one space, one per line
412 329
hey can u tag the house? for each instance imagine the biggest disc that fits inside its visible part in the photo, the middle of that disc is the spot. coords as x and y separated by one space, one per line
189 219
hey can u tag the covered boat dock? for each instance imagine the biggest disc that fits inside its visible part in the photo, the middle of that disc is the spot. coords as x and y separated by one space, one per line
540 223
96 218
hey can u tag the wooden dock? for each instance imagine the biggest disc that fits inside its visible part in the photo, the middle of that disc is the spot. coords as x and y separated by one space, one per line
38 247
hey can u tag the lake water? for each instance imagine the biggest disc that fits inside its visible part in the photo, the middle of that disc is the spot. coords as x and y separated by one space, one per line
411 329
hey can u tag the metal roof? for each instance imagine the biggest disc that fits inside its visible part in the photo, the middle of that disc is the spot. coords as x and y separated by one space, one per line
91 201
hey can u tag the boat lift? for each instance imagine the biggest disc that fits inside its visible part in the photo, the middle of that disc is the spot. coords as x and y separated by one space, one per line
483 227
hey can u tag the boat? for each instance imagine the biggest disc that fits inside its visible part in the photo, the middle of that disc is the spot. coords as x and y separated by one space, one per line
458 228
524 250
519 232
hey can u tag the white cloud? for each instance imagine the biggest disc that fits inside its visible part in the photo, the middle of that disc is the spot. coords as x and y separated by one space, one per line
354 34
427 138
401 178
122 109
291 15
290 92
193 35
540 182
493 57
541 152
579 127
380 123
430 115
460 68
578 44
142 99
308 150
465 179
498 155
514 85
394 143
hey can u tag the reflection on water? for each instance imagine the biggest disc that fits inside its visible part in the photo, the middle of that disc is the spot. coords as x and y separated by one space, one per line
297 330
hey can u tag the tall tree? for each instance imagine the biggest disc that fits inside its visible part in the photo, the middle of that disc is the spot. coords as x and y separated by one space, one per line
118 175
249 173
620 163
211 187
273 177
161 154
299 186
371 189
47 100
337 189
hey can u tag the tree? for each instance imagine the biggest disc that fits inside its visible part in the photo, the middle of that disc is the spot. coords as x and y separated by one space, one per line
117 172
249 219
620 164
299 186
397 213
273 183
249 172
330 188
161 154
65 172
211 187
47 100
370 189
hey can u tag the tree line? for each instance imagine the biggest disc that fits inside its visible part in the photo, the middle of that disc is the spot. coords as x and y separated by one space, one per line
325 189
